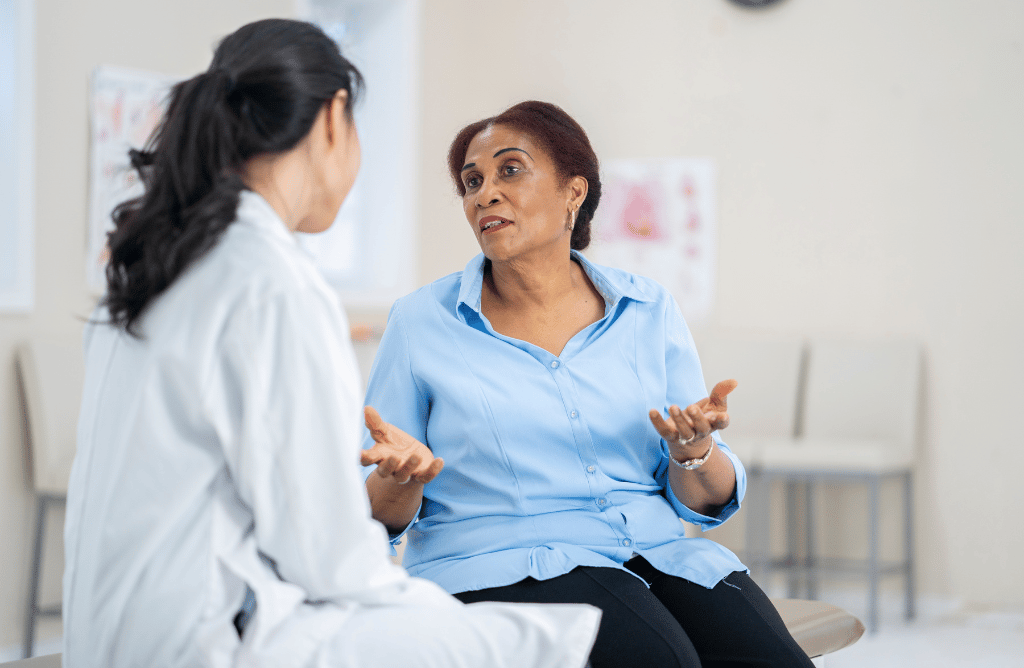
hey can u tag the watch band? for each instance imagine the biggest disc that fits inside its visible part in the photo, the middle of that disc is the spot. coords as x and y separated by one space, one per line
691 464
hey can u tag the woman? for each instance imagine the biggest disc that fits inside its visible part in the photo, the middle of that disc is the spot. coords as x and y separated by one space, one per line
547 475
215 513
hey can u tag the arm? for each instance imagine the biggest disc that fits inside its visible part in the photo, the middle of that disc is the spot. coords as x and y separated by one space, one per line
401 463
718 484
404 466
708 488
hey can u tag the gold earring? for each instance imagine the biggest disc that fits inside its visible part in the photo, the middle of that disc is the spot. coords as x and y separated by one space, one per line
572 220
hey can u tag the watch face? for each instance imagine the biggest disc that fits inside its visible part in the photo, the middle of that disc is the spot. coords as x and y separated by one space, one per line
755 3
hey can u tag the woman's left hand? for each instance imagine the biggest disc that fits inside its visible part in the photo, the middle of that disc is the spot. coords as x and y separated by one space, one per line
686 429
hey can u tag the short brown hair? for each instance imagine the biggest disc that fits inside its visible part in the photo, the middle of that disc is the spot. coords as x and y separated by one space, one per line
563 139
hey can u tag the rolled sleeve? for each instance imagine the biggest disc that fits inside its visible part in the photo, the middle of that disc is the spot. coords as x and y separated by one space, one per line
728 510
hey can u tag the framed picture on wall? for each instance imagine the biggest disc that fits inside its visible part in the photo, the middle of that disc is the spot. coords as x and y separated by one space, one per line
17 164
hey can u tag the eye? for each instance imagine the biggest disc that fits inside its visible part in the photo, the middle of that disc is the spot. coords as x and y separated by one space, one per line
510 170
472 182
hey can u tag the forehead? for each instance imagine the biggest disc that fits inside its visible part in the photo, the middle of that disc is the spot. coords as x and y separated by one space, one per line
492 139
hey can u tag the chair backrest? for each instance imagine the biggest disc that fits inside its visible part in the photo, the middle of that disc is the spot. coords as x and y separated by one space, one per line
862 390
51 374
768 371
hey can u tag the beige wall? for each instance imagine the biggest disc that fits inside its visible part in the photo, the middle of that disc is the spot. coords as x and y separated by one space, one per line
869 159
867 153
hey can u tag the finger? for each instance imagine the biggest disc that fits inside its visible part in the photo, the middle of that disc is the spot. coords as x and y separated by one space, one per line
375 423
370 456
719 393
717 420
431 472
408 467
701 425
386 467
662 427
684 422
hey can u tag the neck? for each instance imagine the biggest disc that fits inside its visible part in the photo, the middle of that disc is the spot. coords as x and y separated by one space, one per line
280 180
534 283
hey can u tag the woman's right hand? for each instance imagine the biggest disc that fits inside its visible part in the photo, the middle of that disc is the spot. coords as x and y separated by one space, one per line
398 456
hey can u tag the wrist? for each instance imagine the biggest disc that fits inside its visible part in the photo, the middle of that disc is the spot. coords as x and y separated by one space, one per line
694 455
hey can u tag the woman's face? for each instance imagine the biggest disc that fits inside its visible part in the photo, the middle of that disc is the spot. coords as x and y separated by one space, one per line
341 156
514 201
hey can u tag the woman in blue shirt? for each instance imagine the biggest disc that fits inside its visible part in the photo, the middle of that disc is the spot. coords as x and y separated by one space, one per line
523 459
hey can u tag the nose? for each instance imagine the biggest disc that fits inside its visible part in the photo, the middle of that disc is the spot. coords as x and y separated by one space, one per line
487 195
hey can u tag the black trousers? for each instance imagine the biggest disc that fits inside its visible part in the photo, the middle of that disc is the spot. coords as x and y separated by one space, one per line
672 623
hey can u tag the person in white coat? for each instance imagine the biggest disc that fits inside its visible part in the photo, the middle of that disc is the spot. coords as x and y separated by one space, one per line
216 515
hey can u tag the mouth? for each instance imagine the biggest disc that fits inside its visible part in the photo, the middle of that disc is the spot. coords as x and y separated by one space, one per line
493 224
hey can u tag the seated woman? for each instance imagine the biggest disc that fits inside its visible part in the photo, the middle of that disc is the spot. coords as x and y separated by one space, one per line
537 380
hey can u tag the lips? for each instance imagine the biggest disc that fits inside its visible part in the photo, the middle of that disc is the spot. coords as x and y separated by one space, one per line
493 223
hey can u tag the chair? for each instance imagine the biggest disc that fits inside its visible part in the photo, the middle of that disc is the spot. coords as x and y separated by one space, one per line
763 407
844 383
50 376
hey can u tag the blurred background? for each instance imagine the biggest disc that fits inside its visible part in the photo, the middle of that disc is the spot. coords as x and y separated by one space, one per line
868 164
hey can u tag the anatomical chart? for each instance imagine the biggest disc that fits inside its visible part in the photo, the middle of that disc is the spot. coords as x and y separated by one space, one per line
657 219
126 106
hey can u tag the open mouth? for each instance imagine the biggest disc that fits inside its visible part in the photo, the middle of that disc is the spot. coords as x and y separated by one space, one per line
493 224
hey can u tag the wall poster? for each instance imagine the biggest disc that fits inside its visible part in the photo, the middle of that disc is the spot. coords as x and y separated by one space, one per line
657 219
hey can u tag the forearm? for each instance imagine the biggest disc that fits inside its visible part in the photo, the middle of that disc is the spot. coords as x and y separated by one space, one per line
392 504
706 489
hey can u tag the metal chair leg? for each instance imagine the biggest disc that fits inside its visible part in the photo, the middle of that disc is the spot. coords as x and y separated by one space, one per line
908 545
873 520
809 528
792 540
33 584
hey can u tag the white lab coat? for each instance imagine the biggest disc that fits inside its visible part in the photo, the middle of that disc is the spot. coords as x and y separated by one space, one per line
233 428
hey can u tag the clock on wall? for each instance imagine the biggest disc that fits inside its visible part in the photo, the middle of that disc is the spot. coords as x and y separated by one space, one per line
755 3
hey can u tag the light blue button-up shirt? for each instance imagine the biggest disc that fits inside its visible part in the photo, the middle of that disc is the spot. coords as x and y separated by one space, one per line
551 462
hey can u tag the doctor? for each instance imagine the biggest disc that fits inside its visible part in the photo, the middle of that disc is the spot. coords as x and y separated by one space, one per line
216 515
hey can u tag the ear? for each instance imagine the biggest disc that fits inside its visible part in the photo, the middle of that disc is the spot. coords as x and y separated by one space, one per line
578 187
337 119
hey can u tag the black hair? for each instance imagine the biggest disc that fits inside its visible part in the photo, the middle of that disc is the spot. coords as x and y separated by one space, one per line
261 94
566 142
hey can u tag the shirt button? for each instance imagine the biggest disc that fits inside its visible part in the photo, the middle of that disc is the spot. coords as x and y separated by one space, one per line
601 502
573 415
591 468
554 365
627 542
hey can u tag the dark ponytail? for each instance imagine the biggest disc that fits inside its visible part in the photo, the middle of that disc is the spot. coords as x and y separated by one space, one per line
262 93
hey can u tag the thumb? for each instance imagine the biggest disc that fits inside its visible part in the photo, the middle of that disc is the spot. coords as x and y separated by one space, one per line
720 392
374 422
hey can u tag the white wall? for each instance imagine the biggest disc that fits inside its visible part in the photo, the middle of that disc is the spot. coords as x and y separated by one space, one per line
870 165
868 154
72 38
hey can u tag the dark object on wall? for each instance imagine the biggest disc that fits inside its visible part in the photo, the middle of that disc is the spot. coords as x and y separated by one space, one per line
755 4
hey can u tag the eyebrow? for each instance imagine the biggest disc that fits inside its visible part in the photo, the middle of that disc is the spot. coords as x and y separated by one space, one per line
504 150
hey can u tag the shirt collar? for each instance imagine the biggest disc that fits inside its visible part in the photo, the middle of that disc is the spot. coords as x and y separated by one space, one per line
612 284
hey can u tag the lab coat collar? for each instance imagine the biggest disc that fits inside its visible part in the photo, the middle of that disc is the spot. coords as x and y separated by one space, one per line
255 211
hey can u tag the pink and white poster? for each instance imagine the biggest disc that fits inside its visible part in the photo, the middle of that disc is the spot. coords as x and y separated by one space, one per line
126 106
657 219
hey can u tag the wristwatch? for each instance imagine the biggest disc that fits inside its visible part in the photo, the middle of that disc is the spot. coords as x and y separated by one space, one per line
691 464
